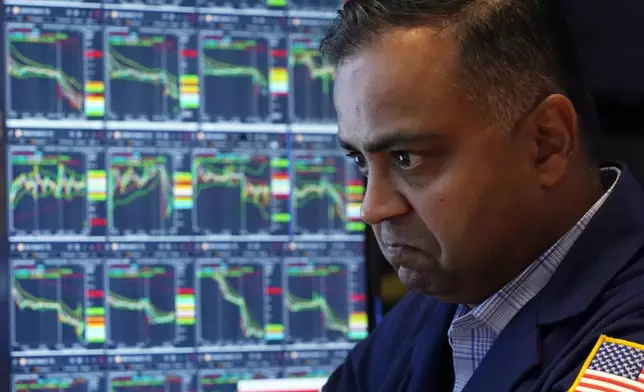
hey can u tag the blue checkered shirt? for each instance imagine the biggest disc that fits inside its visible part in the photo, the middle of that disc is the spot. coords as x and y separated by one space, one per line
474 329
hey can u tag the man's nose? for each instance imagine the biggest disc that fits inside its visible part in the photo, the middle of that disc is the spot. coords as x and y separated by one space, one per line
382 201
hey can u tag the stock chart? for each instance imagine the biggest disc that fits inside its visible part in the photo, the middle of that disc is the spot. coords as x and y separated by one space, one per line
242 4
317 301
149 75
60 382
238 189
239 296
140 193
328 188
151 303
152 381
312 80
63 64
48 192
232 298
314 5
226 380
179 215
325 292
243 181
250 59
58 303
151 3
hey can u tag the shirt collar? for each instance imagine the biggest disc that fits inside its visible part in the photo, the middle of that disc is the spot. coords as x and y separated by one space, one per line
497 311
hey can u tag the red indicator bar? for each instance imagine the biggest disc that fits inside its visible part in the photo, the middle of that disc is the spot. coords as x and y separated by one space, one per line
186 291
273 290
98 222
94 54
95 294
191 53
278 53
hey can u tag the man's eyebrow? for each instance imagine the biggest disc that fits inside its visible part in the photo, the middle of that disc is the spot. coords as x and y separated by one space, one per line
387 142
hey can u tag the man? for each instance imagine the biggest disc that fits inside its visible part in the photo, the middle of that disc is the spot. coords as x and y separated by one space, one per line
525 260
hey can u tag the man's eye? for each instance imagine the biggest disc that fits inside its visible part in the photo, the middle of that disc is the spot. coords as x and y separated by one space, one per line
406 160
358 159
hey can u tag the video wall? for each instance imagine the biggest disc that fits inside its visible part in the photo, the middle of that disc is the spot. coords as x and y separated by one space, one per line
180 217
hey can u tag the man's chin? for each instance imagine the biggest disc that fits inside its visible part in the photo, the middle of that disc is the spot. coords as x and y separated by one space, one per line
414 280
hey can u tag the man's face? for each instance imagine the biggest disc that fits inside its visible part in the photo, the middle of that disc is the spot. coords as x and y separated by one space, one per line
449 195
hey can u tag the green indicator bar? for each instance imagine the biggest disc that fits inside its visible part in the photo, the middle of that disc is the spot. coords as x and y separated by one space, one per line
356 226
117 273
358 335
66 271
19 160
94 88
186 321
95 311
22 274
277 3
280 163
185 300
91 111
52 275
282 217
189 101
355 189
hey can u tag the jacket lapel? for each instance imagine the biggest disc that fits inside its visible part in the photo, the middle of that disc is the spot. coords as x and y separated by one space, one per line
514 353
430 368
608 243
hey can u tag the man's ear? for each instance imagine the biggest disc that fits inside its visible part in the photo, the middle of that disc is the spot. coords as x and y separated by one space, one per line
556 137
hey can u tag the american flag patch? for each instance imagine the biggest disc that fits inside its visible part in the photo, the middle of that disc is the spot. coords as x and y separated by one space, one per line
614 365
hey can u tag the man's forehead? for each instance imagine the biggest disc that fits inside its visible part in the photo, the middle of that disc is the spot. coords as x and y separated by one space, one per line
397 73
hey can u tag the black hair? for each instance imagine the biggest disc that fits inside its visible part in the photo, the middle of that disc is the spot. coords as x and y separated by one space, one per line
512 53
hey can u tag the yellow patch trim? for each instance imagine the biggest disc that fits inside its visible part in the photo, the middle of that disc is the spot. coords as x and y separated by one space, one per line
602 339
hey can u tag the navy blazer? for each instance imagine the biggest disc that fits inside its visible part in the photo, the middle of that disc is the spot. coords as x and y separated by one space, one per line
598 289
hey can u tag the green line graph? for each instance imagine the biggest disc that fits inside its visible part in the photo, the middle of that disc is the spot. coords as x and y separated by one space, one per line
318 303
155 315
132 178
317 182
249 327
305 53
72 317
251 177
50 176
239 68
122 67
22 67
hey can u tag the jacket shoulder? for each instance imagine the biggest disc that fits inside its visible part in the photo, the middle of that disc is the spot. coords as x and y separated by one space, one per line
382 357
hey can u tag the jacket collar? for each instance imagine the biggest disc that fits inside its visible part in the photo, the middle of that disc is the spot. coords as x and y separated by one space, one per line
609 242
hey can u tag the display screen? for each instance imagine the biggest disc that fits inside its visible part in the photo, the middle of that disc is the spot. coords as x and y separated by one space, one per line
179 215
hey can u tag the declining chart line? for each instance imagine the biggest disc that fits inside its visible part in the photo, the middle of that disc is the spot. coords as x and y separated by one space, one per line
250 328
234 173
154 314
307 190
124 68
39 183
66 315
306 57
318 302
21 67
154 175
213 67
